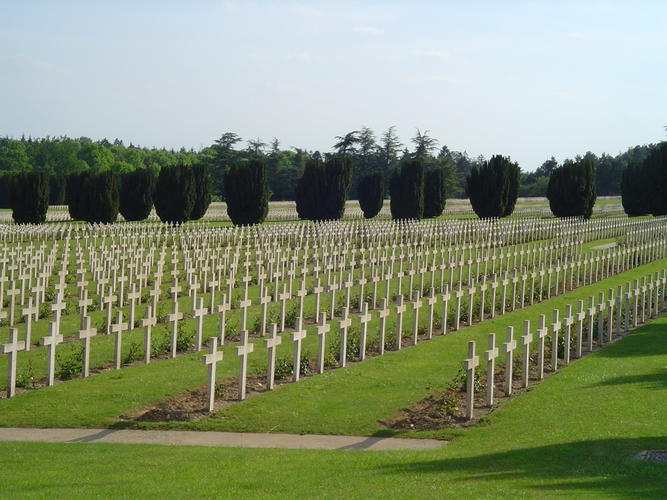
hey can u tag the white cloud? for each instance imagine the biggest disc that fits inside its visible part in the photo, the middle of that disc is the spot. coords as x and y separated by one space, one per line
447 79
577 35
369 30
437 54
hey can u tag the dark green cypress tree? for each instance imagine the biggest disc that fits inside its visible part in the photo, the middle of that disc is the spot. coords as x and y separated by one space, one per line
29 197
307 193
337 180
136 194
202 180
57 187
371 194
75 194
5 180
174 194
493 187
322 190
435 193
247 192
406 189
634 185
101 200
571 189
655 190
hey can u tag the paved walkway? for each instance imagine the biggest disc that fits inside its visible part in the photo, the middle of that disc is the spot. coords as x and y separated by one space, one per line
236 439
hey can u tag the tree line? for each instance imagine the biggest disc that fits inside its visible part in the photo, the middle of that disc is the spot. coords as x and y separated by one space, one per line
368 154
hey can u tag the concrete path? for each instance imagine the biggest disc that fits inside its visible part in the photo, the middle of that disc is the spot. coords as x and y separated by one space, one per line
236 439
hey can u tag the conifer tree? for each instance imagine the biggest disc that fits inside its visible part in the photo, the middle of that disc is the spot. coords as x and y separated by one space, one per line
435 195
247 192
493 187
371 194
29 197
406 189
100 197
202 180
634 186
571 189
174 194
322 190
136 194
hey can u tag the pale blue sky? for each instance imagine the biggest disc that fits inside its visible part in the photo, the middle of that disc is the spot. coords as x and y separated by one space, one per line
527 79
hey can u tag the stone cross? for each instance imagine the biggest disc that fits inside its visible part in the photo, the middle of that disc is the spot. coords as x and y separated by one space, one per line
322 329
526 339
317 291
264 302
445 302
343 325
555 331
610 314
541 334
211 359
222 309
431 301
243 350
174 318
568 321
490 356
400 309
416 306
28 313
602 306
132 297
109 301
382 315
148 322
469 366
283 297
592 310
508 348
85 334
457 320
58 307
271 345
12 349
51 341
364 319
12 293
117 329
297 337
579 318
199 313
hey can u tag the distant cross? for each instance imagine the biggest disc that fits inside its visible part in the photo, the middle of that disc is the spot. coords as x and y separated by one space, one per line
85 334
51 341
343 325
322 329
297 336
28 313
490 356
364 319
469 366
211 359
271 345
243 350
526 339
148 322
199 314
174 318
11 349
117 329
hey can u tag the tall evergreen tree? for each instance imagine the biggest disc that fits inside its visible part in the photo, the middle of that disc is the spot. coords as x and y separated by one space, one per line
323 188
174 194
571 190
136 194
435 193
247 192
655 166
634 185
493 187
29 197
57 187
100 197
371 194
75 194
406 189
202 181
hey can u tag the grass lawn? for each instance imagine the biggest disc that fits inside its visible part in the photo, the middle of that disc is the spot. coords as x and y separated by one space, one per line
574 434
342 401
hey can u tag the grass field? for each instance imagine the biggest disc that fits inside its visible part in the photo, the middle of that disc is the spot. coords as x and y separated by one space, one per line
574 434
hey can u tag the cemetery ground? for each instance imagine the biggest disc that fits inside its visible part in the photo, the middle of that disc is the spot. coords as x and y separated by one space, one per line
573 434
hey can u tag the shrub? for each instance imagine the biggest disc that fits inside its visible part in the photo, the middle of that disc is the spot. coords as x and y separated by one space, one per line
174 195
371 194
406 190
29 197
322 190
571 190
136 194
247 192
202 184
493 187
435 195
69 363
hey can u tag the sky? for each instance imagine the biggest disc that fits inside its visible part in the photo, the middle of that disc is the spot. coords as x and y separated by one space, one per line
524 79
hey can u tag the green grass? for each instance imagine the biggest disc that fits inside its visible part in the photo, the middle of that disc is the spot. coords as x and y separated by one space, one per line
572 435
342 401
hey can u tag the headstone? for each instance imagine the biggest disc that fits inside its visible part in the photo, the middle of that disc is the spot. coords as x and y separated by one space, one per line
382 315
85 334
199 313
541 335
117 329
211 359
11 349
508 349
490 356
343 325
322 329
297 336
469 366
364 319
243 350
51 341
148 322
28 313
174 318
526 339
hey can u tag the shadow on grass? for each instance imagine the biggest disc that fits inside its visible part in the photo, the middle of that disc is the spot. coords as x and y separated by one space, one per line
604 467
647 340
656 380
